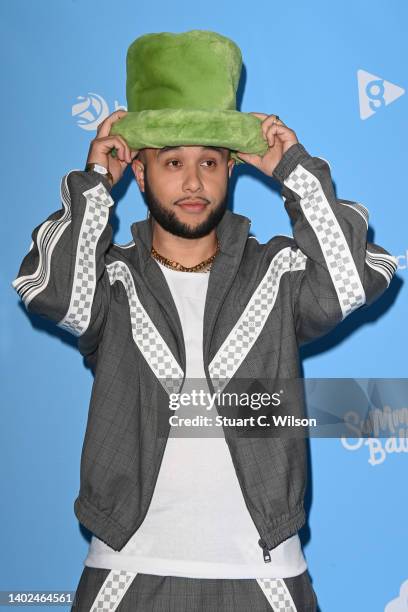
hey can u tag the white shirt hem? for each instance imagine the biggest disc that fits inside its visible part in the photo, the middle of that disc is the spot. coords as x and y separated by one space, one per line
191 569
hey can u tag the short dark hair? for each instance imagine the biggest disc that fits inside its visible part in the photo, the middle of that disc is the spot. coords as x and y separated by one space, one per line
142 156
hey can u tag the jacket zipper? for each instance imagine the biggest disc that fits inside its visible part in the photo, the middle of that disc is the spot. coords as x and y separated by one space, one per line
261 541
265 549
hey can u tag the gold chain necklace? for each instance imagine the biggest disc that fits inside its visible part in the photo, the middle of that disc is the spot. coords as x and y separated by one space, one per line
175 265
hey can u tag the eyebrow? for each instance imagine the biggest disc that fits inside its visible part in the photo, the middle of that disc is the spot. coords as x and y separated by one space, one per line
165 149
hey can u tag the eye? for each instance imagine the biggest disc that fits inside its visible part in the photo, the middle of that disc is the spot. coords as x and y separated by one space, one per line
172 161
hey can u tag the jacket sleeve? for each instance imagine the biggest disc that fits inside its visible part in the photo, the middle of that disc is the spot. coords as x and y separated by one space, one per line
334 270
63 276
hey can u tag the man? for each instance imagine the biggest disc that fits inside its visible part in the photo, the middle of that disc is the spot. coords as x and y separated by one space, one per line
203 524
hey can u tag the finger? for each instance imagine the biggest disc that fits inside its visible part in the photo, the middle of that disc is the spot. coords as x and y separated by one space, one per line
250 158
123 150
276 129
123 164
270 120
271 131
110 119
118 150
266 123
104 127
127 155
110 142
259 115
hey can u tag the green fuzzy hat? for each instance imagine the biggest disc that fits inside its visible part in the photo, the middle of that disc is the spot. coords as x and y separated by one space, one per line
181 90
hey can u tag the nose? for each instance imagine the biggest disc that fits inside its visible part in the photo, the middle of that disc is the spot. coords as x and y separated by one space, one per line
192 181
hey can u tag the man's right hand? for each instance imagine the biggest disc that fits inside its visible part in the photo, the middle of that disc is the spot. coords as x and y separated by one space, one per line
101 146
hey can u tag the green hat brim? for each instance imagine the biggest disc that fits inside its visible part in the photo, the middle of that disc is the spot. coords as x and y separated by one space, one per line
164 127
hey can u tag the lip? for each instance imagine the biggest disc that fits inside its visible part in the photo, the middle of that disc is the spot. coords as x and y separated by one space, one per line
192 205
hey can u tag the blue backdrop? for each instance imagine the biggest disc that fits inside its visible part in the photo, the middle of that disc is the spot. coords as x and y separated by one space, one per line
336 74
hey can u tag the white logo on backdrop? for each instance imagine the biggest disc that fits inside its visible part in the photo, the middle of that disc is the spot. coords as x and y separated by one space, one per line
378 449
91 110
389 425
374 93
400 604
376 417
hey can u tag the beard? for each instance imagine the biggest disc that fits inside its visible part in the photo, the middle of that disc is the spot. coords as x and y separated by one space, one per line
168 219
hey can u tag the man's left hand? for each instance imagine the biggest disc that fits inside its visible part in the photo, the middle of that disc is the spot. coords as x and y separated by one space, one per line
279 138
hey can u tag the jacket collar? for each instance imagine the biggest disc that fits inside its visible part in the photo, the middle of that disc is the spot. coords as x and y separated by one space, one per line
232 233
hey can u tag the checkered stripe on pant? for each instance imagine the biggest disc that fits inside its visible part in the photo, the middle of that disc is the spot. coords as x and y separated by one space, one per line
94 222
277 593
112 591
145 334
332 241
241 338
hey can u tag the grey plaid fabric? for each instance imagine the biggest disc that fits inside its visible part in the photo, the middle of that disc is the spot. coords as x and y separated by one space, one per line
263 302
108 590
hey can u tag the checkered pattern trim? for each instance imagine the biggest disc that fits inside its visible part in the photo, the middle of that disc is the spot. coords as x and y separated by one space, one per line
48 235
98 202
382 263
242 337
145 334
277 593
333 243
112 591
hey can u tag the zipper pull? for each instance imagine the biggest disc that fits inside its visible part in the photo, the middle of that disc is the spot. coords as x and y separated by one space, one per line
266 554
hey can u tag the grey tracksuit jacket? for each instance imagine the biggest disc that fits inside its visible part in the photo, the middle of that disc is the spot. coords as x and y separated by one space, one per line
263 302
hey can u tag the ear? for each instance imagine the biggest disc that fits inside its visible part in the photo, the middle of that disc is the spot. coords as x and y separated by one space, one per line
231 164
138 170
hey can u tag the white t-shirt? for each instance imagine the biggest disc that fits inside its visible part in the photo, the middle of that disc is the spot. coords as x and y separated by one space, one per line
197 524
